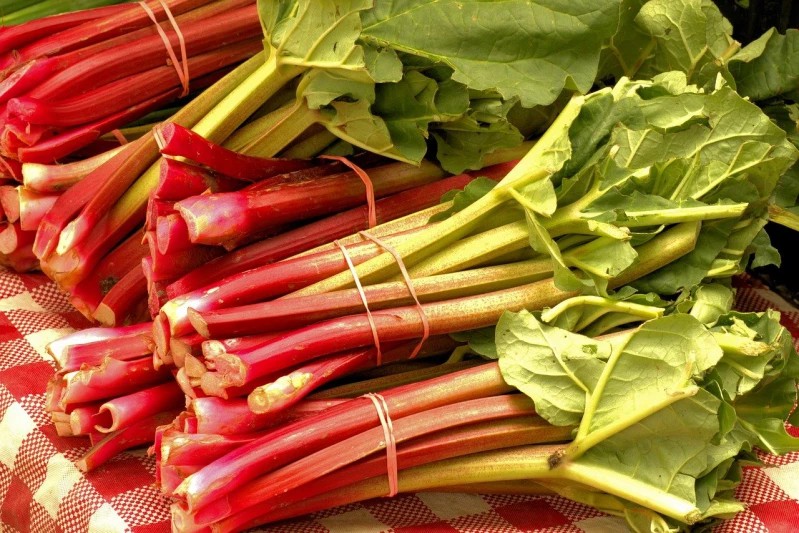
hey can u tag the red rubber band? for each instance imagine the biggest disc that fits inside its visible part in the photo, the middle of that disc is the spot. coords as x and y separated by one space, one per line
120 137
367 182
422 315
391 442
182 68
348 259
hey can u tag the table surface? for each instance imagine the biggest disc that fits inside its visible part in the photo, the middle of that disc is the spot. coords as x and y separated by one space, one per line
41 490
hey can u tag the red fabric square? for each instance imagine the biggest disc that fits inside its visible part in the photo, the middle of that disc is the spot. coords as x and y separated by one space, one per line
7 330
118 476
535 514
435 527
159 527
27 379
779 516
15 510
32 281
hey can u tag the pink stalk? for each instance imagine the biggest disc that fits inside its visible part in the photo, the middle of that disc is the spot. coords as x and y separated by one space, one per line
81 419
292 441
396 324
147 51
298 311
127 410
12 37
68 141
300 382
89 293
10 169
117 95
172 234
72 201
123 303
32 207
68 354
9 202
199 449
156 209
266 282
349 450
180 141
110 379
454 442
93 31
13 238
216 218
233 417
295 241
137 434
58 177
171 259
179 180
180 347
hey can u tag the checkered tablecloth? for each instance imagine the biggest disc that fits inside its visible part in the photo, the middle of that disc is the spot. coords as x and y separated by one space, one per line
42 491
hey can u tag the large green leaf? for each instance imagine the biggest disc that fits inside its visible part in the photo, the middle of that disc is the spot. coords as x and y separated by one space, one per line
769 66
555 368
531 50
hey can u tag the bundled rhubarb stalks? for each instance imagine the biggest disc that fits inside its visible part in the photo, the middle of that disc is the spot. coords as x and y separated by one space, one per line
13 12
684 430
107 388
319 81
624 194
69 80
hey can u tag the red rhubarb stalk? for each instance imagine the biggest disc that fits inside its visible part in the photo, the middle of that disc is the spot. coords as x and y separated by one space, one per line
306 436
396 324
125 303
178 180
110 379
138 434
216 218
294 312
33 206
180 141
265 282
69 354
129 409
57 178
453 442
349 450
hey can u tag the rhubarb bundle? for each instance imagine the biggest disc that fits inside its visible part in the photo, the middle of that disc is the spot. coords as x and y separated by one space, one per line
69 81
625 200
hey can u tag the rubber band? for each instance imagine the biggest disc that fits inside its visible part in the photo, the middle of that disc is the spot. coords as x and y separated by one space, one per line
120 137
404 271
182 68
348 259
392 468
367 182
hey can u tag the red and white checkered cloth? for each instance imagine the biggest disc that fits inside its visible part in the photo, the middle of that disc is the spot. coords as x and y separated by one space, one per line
42 491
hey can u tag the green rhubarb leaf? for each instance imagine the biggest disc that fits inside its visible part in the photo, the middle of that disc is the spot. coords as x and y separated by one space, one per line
318 33
410 105
480 341
629 46
463 143
546 46
474 190
554 367
711 301
667 450
763 252
768 66
689 35
655 368
764 411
